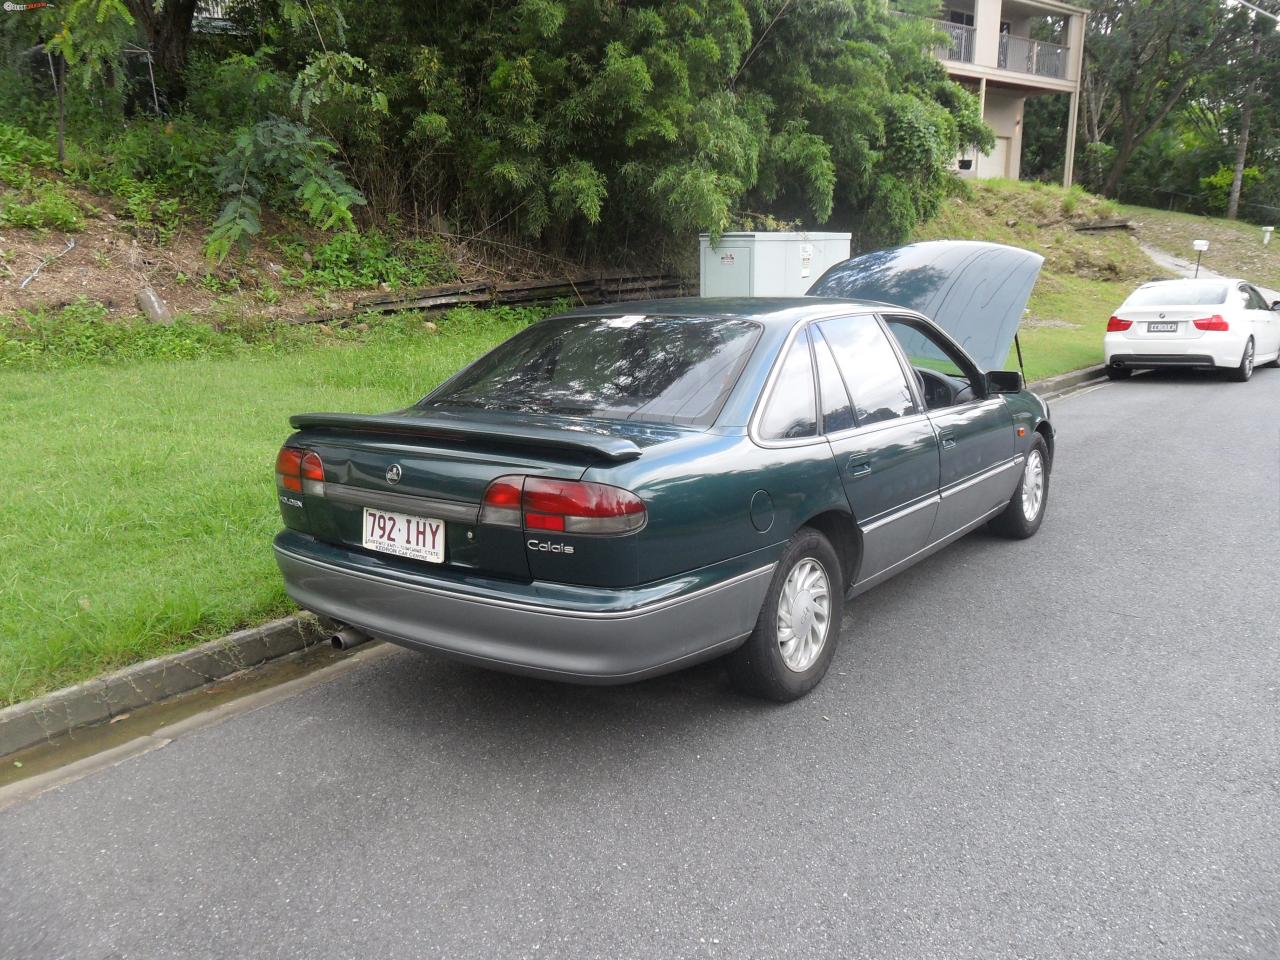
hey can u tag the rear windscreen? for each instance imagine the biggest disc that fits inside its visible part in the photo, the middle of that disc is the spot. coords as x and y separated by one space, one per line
1179 293
662 369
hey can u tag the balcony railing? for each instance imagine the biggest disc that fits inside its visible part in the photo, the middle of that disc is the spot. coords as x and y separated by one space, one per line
960 41
1037 57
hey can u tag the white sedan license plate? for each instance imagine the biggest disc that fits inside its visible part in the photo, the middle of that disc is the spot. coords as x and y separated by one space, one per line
421 538
1162 328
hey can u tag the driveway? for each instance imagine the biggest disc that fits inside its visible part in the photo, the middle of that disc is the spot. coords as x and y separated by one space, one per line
1064 747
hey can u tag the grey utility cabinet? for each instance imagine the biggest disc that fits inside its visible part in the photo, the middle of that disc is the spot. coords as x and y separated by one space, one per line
767 264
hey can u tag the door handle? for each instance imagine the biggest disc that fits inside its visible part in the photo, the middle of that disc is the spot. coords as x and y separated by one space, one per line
859 466
947 437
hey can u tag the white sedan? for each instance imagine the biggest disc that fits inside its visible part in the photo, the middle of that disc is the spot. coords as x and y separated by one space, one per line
1201 324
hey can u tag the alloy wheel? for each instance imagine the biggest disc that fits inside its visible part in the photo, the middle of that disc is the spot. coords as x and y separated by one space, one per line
804 614
1033 485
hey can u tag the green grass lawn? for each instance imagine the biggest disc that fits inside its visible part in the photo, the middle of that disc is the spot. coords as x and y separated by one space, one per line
139 500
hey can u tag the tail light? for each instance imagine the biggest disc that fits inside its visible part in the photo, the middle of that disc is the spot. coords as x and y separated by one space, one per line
1216 322
501 507
561 506
1116 325
300 470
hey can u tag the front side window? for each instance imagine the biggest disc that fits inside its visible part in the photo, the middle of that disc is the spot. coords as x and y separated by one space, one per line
923 351
791 410
870 368
649 368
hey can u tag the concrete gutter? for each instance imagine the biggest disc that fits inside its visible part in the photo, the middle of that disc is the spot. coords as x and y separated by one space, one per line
1066 382
97 701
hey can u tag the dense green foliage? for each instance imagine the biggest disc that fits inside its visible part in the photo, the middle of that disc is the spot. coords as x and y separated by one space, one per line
600 128
1178 102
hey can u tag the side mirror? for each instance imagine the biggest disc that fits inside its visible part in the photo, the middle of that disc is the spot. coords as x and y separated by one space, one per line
1275 305
1004 381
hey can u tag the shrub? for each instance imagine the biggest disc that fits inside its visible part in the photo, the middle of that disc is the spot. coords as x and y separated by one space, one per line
49 208
18 146
1217 186
1071 199
237 91
174 156
351 259
284 161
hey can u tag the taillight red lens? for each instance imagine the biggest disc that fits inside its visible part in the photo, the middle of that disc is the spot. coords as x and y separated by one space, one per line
544 521
501 505
1116 325
562 506
289 468
580 506
312 467
1216 322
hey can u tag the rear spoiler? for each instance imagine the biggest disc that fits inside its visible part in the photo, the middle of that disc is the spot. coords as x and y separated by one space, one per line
618 449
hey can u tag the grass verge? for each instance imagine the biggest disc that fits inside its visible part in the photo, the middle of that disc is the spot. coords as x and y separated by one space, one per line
1235 248
139 503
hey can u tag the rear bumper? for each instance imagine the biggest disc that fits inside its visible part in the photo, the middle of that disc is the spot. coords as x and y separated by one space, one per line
1210 350
587 635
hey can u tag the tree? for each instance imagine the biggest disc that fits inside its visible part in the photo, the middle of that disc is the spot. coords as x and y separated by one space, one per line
1142 57
167 27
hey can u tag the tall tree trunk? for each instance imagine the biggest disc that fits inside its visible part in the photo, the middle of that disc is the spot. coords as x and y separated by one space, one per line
168 30
1242 149
1242 144
1120 163
60 80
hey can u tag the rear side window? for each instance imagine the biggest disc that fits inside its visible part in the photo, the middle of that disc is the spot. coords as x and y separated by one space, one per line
837 409
1254 300
791 410
870 368
659 369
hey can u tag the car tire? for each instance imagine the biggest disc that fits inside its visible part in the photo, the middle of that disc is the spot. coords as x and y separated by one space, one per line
1242 373
1025 512
1118 373
786 656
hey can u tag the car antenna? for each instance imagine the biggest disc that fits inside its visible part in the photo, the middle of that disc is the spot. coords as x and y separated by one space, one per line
1017 345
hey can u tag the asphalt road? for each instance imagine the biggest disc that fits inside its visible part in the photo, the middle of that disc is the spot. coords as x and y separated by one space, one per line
1066 747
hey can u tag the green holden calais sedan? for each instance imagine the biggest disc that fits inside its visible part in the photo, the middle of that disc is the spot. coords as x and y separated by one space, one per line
627 490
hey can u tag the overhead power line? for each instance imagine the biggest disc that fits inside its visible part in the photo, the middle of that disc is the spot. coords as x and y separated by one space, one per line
1255 9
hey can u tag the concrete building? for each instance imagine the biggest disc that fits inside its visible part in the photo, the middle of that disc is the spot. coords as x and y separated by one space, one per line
993 53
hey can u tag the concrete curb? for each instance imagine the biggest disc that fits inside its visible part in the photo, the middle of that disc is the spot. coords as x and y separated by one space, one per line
97 701
1068 381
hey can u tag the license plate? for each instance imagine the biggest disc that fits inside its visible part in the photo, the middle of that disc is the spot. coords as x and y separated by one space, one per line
1162 328
421 538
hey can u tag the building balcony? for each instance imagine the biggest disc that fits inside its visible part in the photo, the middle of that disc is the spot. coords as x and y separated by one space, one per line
1037 57
992 47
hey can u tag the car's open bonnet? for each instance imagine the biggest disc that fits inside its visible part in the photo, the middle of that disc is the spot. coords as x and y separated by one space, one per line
975 291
